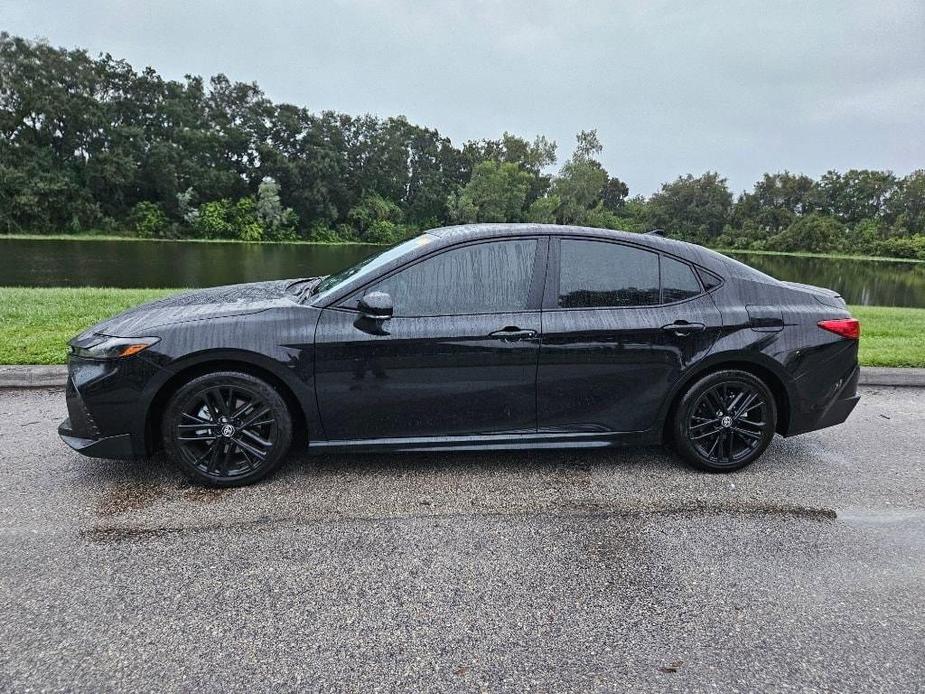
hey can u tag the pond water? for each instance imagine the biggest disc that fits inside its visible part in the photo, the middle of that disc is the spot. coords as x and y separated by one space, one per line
67 263
865 282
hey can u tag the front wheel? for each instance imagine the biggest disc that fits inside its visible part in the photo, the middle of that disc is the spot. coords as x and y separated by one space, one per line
725 421
227 429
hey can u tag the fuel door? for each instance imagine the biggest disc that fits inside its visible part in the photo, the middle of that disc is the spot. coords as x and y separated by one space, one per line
765 319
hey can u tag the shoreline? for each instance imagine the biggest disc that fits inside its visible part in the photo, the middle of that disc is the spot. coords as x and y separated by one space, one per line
108 237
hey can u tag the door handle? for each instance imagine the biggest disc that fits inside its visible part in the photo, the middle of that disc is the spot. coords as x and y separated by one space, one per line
682 328
512 333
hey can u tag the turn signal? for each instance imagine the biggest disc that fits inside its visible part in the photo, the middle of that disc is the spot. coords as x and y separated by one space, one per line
849 328
129 350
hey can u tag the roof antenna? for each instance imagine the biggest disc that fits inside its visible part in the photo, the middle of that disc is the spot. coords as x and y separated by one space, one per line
656 232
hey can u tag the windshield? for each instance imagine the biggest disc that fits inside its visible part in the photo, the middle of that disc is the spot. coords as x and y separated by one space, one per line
370 264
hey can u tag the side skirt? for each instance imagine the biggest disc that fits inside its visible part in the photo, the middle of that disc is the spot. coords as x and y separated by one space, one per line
490 442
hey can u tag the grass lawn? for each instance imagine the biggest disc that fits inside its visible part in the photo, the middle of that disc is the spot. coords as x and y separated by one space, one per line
891 336
35 324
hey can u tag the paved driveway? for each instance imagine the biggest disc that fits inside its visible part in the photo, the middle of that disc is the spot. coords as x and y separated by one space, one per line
501 572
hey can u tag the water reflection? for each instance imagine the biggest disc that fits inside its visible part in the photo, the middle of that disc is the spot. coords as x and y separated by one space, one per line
165 264
865 282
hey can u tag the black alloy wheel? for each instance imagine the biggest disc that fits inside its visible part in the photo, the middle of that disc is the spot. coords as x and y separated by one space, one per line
227 429
725 421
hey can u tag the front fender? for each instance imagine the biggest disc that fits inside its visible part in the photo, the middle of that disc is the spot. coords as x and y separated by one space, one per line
291 366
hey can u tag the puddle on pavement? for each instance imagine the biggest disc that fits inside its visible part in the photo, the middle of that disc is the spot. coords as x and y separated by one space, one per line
206 495
129 497
150 486
883 517
694 509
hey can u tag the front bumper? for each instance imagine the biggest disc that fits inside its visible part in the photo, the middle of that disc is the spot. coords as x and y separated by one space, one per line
103 407
118 446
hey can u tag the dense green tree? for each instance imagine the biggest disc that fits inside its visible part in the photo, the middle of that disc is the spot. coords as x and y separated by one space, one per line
376 219
92 143
497 192
692 208
776 201
581 181
278 222
857 194
543 210
531 157
906 206
149 220
816 233
614 195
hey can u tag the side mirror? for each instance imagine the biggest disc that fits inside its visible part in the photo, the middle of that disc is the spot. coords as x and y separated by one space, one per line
376 306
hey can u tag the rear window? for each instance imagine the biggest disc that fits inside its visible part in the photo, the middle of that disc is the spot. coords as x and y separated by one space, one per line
597 273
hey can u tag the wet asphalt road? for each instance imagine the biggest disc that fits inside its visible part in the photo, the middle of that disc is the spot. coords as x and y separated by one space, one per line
567 571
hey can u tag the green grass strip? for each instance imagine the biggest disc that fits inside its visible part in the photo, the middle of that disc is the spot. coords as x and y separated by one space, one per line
36 323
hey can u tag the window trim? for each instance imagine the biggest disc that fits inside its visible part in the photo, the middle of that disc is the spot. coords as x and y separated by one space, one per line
551 294
534 293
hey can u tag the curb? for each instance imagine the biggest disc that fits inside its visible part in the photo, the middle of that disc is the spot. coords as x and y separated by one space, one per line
56 377
883 376
33 376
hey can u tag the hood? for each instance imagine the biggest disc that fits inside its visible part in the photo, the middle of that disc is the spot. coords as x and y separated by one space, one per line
216 302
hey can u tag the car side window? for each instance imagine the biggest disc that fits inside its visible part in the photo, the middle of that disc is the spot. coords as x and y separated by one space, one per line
491 277
678 281
598 273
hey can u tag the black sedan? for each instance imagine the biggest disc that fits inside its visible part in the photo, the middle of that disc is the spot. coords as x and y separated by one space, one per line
471 337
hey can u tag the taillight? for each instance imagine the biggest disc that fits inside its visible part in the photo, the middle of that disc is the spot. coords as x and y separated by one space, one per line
846 327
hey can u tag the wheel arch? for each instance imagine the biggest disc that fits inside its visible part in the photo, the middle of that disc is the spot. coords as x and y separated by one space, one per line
769 371
210 362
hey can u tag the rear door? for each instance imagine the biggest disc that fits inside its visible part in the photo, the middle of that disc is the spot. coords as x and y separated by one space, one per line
459 356
621 324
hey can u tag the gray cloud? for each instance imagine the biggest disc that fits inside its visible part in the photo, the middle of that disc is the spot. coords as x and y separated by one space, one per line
672 87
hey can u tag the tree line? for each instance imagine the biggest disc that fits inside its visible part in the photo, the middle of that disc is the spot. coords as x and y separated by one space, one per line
89 143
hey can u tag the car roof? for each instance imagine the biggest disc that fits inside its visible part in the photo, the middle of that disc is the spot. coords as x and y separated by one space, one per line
705 257
461 232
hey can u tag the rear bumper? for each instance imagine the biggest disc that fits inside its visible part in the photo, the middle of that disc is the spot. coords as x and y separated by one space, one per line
838 412
832 410
118 446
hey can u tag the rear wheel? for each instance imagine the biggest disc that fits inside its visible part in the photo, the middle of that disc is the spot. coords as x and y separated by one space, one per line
227 429
725 421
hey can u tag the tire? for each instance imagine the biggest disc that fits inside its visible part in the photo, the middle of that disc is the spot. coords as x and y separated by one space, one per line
227 429
724 421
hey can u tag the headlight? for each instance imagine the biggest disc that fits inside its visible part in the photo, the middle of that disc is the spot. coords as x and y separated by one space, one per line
113 347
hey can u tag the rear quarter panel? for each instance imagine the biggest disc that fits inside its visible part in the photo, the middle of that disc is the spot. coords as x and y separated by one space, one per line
812 363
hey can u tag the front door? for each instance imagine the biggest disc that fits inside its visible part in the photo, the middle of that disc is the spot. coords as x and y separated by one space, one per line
459 356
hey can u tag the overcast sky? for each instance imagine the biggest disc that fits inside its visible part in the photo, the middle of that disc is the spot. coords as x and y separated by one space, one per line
672 87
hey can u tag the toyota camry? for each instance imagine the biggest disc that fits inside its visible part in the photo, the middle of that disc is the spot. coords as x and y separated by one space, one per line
470 337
